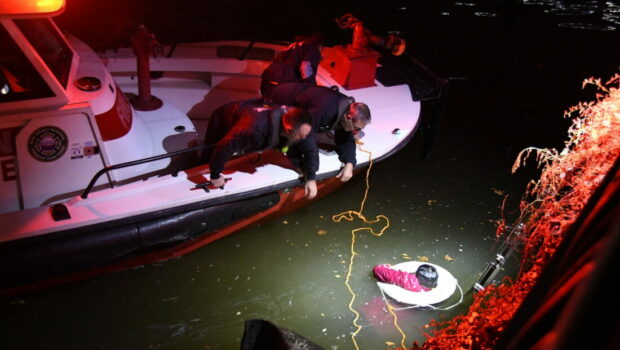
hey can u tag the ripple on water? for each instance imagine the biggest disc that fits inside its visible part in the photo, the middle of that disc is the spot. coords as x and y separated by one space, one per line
587 26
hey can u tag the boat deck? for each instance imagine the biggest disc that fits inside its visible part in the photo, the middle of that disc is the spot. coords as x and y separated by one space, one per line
197 87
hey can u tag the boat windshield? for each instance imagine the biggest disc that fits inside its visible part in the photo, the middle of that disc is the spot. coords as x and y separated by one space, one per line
19 80
49 44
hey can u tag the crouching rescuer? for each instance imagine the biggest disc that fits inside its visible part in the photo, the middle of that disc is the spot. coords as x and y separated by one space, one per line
250 126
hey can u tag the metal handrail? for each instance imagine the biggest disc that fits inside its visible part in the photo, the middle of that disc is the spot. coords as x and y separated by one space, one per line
136 162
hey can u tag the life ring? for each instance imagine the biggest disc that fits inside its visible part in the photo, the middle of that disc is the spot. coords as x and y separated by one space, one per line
446 285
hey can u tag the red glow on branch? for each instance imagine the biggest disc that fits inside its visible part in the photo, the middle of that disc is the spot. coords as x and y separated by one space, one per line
550 206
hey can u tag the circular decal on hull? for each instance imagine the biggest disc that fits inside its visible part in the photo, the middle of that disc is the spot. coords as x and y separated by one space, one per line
47 143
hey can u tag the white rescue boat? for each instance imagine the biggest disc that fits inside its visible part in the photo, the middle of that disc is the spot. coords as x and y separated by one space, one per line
93 175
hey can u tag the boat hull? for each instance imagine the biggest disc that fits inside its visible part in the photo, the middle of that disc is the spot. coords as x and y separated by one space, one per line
67 256
142 210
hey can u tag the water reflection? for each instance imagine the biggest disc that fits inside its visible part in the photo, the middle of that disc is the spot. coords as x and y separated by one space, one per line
586 26
604 10
284 271
612 13
485 14
584 16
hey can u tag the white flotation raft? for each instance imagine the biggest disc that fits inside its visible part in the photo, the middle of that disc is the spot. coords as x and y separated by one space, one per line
446 286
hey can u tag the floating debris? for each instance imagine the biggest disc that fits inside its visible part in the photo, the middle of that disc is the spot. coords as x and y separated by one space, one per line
485 14
448 258
422 258
171 299
285 222
498 192
321 232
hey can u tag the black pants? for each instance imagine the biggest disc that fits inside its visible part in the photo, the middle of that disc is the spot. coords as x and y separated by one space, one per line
285 93
221 121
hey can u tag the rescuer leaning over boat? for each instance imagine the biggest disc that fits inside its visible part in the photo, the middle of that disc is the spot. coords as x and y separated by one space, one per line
331 111
250 126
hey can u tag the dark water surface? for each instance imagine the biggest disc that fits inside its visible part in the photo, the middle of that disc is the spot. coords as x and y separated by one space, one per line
514 67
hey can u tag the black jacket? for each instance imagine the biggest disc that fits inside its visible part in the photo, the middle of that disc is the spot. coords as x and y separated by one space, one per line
286 66
326 106
249 126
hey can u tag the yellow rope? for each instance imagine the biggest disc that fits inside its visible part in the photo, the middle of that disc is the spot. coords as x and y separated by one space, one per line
402 334
348 215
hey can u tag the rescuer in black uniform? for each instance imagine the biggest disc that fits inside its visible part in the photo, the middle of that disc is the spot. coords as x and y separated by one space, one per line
297 63
331 111
249 126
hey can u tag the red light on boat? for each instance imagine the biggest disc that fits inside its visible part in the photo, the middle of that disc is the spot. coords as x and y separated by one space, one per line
31 7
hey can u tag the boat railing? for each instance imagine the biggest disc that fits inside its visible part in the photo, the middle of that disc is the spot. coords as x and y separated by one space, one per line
107 169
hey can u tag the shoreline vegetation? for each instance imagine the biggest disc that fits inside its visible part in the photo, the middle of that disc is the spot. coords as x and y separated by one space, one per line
548 208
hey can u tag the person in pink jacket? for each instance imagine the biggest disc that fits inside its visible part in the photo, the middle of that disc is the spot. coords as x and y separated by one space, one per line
423 280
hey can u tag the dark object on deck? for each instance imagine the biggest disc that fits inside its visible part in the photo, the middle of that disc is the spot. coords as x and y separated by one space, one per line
245 52
261 334
60 212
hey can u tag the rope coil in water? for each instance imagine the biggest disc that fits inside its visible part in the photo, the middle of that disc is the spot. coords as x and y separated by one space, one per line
350 215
